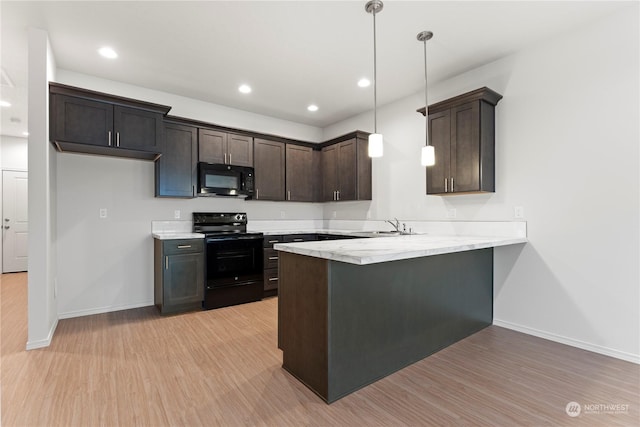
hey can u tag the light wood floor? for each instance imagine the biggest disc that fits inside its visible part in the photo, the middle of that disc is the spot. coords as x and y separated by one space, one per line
222 367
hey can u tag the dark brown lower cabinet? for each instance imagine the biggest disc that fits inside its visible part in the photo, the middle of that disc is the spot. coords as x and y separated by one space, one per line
179 275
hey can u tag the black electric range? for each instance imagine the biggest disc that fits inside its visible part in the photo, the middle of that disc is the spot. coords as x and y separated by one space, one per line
234 260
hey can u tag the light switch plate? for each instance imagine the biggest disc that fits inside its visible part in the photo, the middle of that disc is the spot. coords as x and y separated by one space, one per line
452 213
176 214
103 213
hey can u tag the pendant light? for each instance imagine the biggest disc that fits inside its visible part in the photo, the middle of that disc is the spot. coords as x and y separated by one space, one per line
375 139
428 157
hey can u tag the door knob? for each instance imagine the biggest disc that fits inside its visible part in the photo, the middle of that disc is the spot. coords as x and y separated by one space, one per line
6 227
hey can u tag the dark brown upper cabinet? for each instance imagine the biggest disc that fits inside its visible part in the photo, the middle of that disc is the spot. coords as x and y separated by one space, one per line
95 123
176 170
462 132
224 148
269 163
302 172
346 170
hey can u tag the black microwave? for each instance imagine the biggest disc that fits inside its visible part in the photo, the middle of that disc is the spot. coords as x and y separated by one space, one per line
225 180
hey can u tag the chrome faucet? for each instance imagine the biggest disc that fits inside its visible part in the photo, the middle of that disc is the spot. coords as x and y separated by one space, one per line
396 224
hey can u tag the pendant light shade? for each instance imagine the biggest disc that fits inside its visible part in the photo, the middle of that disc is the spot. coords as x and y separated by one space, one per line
375 145
428 157
375 139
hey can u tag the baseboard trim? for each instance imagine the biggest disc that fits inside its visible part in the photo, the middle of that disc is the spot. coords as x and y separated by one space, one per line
100 310
32 345
629 357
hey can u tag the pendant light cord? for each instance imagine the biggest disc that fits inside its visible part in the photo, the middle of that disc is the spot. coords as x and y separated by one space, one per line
426 102
375 81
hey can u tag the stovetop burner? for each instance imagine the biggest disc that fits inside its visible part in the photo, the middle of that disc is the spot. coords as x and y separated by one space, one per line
221 224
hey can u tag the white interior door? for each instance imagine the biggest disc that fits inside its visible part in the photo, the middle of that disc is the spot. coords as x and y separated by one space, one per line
15 231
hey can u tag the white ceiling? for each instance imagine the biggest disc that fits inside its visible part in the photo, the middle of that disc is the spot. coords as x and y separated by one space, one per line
293 53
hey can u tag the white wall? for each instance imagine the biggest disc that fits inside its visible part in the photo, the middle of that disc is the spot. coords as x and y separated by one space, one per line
107 264
567 136
43 314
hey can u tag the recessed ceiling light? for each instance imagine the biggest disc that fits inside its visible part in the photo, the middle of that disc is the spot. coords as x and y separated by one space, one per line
244 89
25 133
4 103
312 107
364 82
107 52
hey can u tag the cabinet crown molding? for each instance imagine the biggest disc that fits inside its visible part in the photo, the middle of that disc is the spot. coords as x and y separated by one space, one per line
482 94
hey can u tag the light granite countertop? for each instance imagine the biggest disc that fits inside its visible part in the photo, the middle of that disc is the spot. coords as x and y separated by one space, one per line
172 235
383 249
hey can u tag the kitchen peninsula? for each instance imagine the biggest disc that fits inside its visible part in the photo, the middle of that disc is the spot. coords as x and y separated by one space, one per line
353 311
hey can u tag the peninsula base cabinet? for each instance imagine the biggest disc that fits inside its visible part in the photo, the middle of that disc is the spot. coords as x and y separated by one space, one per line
179 275
462 132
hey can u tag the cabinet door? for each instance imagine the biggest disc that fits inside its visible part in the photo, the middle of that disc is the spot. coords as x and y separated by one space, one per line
212 146
176 168
465 147
183 279
269 160
137 129
240 150
347 170
299 164
329 165
440 138
83 121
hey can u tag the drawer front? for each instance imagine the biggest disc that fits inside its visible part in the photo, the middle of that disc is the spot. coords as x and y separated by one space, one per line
270 240
270 258
293 238
172 247
271 279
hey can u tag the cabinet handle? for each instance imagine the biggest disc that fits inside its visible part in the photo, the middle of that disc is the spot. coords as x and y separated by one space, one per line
229 158
274 241
109 138
335 195
183 246
288 194
338 193
452 190
298 240
193 190
117 139
273 257
273 279
225 158
446 188
257 193
166 262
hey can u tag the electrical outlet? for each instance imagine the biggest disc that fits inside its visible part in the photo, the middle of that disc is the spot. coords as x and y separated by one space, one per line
103 213
452 213
335 214
176 214
518 212
282 215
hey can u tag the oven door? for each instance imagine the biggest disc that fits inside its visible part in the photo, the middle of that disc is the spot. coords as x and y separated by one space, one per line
234 260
